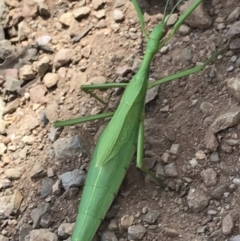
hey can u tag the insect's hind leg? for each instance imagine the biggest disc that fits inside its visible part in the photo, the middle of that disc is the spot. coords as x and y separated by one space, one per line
89 89
140 156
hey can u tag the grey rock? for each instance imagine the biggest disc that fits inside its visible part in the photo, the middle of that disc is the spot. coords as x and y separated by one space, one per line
81 12
231 68
237 63
98 3
24 231
201 229
172 19
165 157
86 51
27 73
44 120
124 70
186 54
225 120
236 181
38 212
56 188
227 224
29 140
3 148
174 149
208 121
226 148
119 3
233 85
197 200
234 45
75 178
170 232
42 234
234 29
50 80
206 108
43 65
199 18
234 15
149 162
43 40
68 147
214 157
118 15
159 170
108 235
67 19
10 204
5 183
65 230
136 64
98 80
71 193
232 142
170 170
2 108
53 134
31 55
113 225
209 177
13 173
210 140
43 8
184 29
126 221
12 106
63 57
37 93
50 172
3 238
4 207
2 8
46 187
46 220
16 201
151 216
23 30
151 93
37 171
27 123
136 232
12 84
51 111
193 162
235 238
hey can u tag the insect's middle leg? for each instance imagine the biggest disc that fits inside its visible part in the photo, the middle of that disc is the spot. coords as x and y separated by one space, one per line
89 89
140 156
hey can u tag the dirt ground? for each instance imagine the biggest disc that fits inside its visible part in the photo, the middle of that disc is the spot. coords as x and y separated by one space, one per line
180 115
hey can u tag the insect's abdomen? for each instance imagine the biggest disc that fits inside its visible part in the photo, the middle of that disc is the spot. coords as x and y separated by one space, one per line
100 189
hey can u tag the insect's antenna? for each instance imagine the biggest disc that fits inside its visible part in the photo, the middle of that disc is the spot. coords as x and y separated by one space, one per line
165 10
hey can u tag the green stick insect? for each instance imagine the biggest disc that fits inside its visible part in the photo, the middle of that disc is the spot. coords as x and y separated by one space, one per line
123 136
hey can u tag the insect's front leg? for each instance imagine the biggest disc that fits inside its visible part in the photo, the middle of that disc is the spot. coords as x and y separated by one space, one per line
90 88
